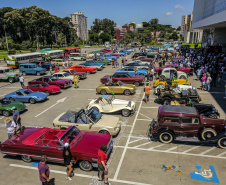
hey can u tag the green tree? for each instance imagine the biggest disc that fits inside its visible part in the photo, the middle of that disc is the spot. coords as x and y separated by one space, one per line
175 36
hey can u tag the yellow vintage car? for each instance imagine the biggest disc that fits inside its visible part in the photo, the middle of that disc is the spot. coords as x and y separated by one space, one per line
117 88
174 82
59 61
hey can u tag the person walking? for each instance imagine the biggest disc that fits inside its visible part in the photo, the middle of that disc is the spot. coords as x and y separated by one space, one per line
147 89
11 127
63 65
122 64
113 63
16 117
102 159
44 171
67 160
75 80
56 69
148 75
21 79
126 58
203 81
51 70
199 73
208 82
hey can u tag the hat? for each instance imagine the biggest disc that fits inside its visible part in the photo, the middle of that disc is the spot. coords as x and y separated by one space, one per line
13 108
66 145
147 83
7 120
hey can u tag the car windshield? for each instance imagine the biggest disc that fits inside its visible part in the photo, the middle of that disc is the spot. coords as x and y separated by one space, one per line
54 78
28 91
70 136
4 101
94 115
44 85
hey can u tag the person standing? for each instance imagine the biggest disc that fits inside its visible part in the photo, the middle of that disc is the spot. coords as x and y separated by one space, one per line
51 70
147 89
208 82
102 159
56 69
16 117
126 58
44 171
113 63
198 74
21 79
75 80
203 81
148 75
122 64
63 65
11 127
67 160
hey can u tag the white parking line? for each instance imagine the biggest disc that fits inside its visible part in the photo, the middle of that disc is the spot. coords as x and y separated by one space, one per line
193 148
150 107
78 175
142 144
208 150
156 146
173 148
221 154
144 119
145 116
134 141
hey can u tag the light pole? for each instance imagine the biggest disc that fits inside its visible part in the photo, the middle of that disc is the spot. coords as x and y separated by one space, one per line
6 39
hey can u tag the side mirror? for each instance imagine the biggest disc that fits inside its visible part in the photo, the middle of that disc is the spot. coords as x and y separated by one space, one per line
90 125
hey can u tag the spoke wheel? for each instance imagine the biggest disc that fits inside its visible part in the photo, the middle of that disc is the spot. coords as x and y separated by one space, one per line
11 80
222 142
125 112
5 113
85 165
166 137
208 133
103 92
32 100
127 92
26 158
47 93
11 99
136 84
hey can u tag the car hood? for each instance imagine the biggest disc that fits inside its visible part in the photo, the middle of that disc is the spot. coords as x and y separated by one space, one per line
18 105
54 87
108 121
38 94
120 102
12 74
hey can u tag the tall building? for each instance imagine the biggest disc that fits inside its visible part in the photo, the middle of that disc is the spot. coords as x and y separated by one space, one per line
210 15
186 24
80 24
121 32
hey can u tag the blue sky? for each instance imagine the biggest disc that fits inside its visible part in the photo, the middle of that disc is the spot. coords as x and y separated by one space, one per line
120 11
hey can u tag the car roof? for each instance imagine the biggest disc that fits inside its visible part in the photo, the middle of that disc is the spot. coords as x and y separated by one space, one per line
27 64
178 109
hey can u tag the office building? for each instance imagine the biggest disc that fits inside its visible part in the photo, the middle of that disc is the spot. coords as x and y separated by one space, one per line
80 24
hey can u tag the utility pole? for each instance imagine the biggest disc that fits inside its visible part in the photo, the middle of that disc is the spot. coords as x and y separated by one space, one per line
6 39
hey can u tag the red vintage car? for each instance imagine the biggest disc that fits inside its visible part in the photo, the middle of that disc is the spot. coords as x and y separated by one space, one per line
83 68
105 50
125 78
144 58
51 80
187 70
32 142
44 87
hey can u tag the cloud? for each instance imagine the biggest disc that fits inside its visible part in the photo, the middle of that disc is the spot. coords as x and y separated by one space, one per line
178 6
169 13
118 26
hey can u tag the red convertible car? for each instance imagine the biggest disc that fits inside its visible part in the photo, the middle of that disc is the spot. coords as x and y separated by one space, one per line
83 68
44 87
51 80
186 70
125 78
31 143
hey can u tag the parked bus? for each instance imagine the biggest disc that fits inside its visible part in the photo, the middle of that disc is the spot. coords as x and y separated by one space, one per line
14 61
67 51
54 54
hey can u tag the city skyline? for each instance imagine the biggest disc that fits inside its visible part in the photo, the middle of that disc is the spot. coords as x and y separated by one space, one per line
167 12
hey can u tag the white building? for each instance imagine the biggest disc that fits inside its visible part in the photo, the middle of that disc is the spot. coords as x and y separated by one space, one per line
210 15
80 23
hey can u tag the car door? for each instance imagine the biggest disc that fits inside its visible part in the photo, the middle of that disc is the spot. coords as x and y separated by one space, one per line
35 87
172 123
189 126
18 96
116 78
126 78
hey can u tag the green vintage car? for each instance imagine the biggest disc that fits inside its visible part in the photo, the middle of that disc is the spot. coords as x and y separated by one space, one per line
6 73
104 61
6 106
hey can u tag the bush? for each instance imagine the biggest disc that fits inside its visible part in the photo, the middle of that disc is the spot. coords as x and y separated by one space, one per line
32 49
17 46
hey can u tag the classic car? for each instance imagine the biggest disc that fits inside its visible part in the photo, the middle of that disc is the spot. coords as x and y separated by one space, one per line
89 121
187 70
77 56
26 95
82 68
174 121
138 54
89 55
125 51
132 71
108 62
98 67
137 65
29 68
63 76
32 142
44 87
117 88
59 61
144 58
7 105
140 62
44 64
108 104
81 75
178 87
168 73
7 73
173 82
125 78
94 62
120 54
51 80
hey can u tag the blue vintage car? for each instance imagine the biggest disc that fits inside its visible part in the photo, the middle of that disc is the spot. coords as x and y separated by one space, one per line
95 62
31 68
125 51
26 95
132 72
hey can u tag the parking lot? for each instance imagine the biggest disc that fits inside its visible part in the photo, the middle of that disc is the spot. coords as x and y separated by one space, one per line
135 159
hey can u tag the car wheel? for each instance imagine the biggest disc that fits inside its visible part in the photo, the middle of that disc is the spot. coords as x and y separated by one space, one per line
163 77
208 133
32 100
222 142
47 93
166 137
38 73
125 112
88 72
11 80
24 73
5 113
11 99
26 158
182 77
103 92
85 165
136 84
166 101
213 116
127 92
104 132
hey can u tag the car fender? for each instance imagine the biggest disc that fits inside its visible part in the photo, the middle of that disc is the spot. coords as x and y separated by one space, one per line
166 129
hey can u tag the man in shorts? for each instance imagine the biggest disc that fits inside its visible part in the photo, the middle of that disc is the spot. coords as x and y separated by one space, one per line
16 117
147 89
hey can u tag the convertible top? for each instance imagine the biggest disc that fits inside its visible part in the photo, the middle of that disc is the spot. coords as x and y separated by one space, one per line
67 116
179 109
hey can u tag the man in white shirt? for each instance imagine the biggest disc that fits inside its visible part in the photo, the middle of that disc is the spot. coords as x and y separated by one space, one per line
11 127
21 79
63 64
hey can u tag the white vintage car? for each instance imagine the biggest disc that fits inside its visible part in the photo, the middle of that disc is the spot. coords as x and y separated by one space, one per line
168 73
77 56
108 104
177 89
63 76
